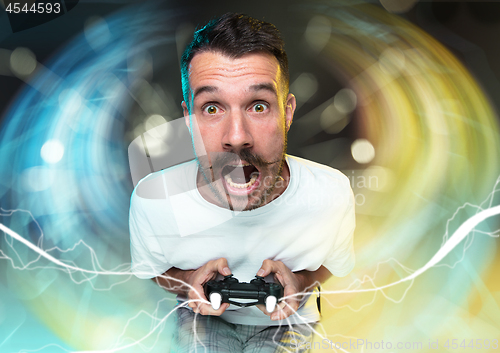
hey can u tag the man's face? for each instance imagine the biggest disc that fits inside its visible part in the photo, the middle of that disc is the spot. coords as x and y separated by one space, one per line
238 106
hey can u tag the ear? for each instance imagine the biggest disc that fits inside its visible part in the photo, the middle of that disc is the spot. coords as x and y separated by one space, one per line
185 112
290 105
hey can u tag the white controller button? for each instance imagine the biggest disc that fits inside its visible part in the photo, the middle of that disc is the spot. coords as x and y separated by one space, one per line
215 299
270 303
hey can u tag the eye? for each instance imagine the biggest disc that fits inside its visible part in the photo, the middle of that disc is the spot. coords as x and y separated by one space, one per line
211 109
259 108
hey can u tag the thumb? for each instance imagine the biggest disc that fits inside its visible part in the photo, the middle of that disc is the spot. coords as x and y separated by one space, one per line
222 267
266 268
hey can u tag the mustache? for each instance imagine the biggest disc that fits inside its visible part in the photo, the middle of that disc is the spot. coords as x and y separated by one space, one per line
234 157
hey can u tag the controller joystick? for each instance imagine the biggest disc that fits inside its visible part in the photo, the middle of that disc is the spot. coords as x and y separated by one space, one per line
258 281
230 289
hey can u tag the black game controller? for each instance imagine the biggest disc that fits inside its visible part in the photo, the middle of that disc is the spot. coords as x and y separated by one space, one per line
219 292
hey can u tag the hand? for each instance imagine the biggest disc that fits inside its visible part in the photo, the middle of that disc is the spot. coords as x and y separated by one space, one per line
292 284
197 278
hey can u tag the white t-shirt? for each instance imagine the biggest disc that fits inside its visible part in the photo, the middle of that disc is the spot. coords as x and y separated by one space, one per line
309 225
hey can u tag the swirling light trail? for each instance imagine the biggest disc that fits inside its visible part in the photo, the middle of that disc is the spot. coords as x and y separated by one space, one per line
434 133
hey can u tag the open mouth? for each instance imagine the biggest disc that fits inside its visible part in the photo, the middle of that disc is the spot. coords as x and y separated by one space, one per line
240 179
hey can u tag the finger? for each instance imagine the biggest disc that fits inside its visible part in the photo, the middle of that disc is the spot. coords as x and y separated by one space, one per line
285 310
223 267
263 309
196 299
268 266
220 265
203 308
195 305
276 314
290 309
292 302
206 309
197 293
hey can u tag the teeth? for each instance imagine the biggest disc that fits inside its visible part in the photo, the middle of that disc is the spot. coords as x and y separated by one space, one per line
240 186
239 165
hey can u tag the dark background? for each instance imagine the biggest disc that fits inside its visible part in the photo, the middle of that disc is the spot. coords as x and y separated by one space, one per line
469 29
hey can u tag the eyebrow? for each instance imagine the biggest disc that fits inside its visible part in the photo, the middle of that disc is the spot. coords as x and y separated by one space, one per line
258 87
264 86
202 89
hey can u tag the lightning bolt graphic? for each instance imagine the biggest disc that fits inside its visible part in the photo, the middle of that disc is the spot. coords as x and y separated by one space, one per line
450 243
448 246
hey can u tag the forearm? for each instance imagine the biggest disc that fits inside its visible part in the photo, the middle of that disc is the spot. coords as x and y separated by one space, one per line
307 279
175 280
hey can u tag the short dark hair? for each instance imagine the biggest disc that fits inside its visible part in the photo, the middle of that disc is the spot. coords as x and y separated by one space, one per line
235 35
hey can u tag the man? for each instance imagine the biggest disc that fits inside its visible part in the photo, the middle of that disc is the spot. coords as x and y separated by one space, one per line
243 207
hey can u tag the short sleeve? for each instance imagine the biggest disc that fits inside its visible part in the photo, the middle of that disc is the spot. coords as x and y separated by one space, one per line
148 260
341 259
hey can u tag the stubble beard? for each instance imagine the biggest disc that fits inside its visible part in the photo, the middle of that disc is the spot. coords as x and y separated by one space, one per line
253 200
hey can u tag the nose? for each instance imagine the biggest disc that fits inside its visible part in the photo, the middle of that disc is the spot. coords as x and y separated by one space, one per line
237 135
